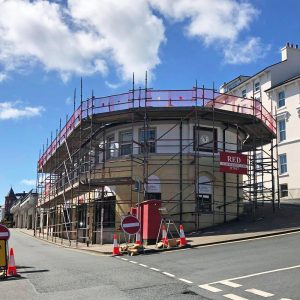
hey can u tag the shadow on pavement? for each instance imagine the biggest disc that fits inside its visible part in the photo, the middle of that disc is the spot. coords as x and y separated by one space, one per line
265 219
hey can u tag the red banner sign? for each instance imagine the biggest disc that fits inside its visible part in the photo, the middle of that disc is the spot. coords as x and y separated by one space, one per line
233 163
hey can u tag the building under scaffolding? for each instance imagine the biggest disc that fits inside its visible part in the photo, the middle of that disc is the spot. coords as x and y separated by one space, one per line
117 151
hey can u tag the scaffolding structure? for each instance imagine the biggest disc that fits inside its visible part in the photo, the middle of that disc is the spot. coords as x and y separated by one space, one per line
79 166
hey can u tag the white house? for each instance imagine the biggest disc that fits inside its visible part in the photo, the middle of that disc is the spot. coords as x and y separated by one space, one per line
278 88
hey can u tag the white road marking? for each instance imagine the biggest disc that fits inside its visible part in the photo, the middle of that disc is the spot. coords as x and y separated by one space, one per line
285 299
184 280
129 225
210 288
229 283
124 258
154 269
260 293
117 257
257 274
133 262
234 297
145 266
168 274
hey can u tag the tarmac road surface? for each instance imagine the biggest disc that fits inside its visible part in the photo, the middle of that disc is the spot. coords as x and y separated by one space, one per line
255 269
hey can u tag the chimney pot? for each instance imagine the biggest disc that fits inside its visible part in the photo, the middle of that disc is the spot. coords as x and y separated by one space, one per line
288 44
296 46
292 45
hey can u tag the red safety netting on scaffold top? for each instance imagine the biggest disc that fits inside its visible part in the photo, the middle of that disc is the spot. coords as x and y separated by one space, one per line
200 97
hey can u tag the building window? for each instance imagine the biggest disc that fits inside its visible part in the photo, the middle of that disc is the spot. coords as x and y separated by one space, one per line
260 188
244 93
281 99
82 215
152 196
284 192
281 129
111 149
282 163
149 138
125 142
256 87
205 139
204 203
204 195
259 161
107 209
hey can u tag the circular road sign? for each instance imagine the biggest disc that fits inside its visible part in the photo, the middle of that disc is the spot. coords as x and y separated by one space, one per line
4 233
130 225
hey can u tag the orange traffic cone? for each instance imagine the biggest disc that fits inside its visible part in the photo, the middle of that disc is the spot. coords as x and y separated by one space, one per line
165 240
138 239
182 237
11 270
116 250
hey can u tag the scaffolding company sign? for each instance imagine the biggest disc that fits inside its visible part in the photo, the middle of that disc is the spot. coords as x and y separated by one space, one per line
233 163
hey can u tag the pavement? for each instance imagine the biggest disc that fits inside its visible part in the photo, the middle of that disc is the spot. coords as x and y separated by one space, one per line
265 223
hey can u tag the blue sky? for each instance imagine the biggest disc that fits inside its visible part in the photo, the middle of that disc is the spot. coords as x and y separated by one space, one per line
46 46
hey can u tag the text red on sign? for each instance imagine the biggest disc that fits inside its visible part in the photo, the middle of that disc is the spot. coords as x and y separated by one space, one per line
130 225
233 163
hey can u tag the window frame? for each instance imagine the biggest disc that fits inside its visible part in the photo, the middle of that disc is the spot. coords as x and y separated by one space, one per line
283 192
197 146
282 164
281 99
204 206
281 132
126 143
257 86
110 141
244 93
151 142
259 161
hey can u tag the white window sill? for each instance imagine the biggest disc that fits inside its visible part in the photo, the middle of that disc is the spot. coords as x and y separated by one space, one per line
287 142
281 108
284 175
283 142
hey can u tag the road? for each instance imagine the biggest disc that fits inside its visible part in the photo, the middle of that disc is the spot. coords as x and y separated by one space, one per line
257 269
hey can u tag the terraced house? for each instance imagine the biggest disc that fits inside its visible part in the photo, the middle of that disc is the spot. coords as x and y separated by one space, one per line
277 87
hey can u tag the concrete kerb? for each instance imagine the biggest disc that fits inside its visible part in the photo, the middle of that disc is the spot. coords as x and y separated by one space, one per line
65 246
195 245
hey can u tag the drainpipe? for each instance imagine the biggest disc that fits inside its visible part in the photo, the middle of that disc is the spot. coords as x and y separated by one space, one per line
224 176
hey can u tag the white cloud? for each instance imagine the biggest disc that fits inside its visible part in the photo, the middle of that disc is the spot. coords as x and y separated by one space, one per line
37 32
245 52
211 20
3 77
112 86
80 38
68 101
13 110
88 37
29 182
132 32
218 22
